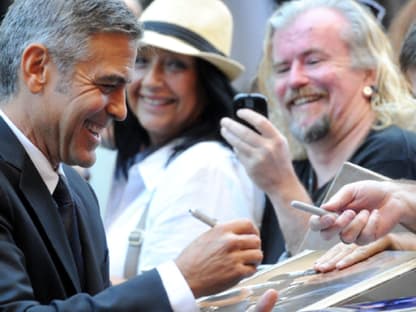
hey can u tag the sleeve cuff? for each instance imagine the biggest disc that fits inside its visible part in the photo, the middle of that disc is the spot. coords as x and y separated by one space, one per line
179 294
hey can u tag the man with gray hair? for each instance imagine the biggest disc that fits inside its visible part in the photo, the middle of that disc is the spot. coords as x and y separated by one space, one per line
339 97
64 66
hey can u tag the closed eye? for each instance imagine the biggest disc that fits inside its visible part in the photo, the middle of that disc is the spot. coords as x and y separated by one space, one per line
107 88
281 68
313 61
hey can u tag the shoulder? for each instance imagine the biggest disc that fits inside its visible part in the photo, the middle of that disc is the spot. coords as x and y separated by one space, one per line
391 133
203 152
390 140
207 160
390 151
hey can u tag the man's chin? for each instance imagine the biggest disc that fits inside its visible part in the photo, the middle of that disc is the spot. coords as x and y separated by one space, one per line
85 161
313 133
310 136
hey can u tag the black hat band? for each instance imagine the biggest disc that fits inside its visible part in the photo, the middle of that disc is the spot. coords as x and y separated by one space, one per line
183 34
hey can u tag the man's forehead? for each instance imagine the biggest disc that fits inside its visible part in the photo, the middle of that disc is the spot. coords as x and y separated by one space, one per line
108 61
310 30
314 20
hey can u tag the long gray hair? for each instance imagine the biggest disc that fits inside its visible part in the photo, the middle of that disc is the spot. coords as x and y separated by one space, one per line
369 48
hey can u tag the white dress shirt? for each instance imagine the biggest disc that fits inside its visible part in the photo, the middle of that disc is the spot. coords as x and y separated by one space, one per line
207 177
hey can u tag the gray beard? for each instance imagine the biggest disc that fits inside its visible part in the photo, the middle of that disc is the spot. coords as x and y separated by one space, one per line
312 134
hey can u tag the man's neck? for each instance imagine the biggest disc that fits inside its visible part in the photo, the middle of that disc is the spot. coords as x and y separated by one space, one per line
327 155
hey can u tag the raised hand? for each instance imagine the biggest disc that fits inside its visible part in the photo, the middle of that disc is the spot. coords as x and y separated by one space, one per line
266 155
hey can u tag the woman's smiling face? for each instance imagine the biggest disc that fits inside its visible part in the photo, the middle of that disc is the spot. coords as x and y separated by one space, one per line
163 93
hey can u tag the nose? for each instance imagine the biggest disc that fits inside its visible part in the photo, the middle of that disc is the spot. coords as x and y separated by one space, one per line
297 76
117 107
153 76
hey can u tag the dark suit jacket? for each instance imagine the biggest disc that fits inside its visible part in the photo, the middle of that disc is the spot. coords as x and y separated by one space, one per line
37 272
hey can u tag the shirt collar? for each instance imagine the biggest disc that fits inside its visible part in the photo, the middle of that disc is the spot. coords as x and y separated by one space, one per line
42 164
151 169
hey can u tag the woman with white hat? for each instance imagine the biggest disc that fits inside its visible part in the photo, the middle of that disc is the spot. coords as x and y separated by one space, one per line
171 157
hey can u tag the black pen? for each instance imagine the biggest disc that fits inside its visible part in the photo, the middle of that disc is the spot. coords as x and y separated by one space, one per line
203 217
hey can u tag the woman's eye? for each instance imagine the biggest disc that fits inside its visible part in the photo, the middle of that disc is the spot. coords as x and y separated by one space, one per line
141 61
176 65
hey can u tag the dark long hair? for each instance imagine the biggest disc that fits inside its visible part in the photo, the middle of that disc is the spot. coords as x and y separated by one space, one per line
215 94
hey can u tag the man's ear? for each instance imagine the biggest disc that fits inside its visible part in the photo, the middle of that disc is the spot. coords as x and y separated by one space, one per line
34 70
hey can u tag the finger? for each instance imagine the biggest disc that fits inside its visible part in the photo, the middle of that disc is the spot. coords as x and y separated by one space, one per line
336 253
246 261
350 232
341 199
362 253
341 222
369 232
238 129
258 121
245 141
353 258
235 139
241 226
317 223
252 257
245 241
329 260
267 301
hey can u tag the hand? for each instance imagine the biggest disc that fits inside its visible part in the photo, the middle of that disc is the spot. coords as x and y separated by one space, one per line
265 156
342 255
221 257
268 162
368 210
266 302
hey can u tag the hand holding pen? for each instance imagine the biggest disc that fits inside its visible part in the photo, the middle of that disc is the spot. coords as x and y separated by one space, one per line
221 256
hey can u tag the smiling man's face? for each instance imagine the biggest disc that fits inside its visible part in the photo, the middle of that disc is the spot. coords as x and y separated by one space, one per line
313 79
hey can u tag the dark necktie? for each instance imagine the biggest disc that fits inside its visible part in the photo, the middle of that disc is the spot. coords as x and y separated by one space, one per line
68 212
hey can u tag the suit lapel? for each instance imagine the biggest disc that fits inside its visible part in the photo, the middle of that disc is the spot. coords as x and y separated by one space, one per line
91 232
37 194
91 263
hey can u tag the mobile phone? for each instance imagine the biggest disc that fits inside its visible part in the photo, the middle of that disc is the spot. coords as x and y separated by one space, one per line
254 101
310 208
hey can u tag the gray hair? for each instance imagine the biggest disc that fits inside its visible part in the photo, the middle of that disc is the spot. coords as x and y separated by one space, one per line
369 49
64 27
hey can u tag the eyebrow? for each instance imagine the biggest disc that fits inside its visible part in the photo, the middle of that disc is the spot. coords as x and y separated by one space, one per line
113 78
303 54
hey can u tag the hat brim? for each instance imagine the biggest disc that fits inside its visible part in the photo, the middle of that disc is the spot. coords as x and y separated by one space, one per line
232 69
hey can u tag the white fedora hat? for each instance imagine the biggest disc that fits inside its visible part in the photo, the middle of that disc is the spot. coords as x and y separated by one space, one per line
200 28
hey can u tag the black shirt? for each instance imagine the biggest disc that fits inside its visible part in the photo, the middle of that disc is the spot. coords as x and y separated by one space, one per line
390 152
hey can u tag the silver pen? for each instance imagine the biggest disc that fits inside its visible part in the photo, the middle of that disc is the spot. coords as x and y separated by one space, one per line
310 208
203 217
